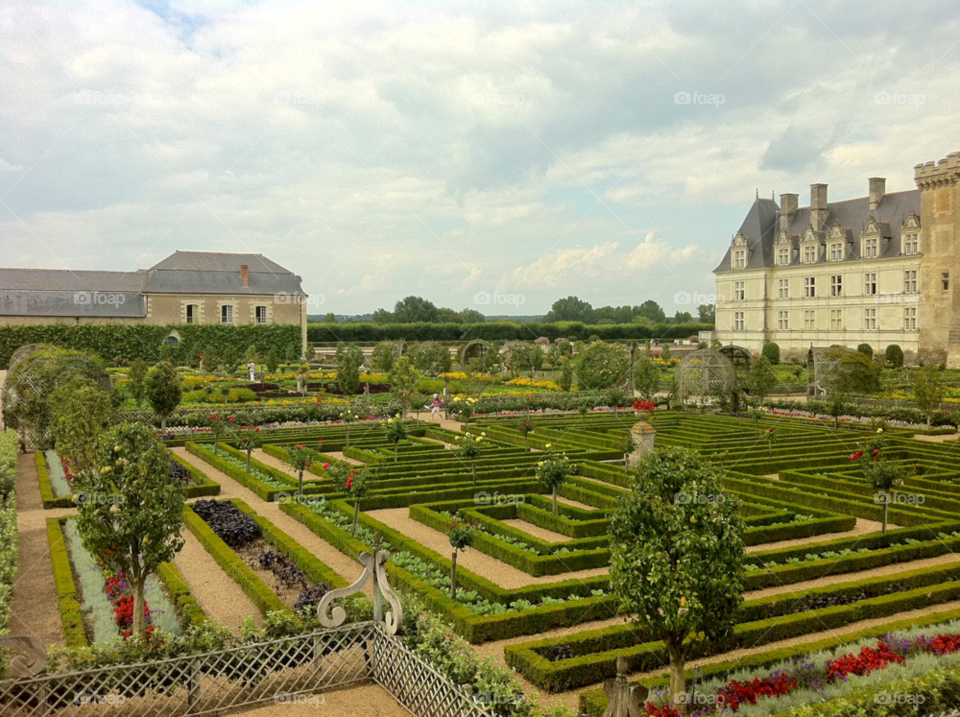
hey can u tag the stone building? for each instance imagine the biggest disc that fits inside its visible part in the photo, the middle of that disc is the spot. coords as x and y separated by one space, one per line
187 287
874 270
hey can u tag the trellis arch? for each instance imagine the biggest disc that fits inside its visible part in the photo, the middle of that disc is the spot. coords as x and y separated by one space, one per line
705 372
473 349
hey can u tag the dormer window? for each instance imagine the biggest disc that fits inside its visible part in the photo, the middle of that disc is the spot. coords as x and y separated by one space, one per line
810 254
874 239
740 259
871 248
783 257
836 251
911 243
910 231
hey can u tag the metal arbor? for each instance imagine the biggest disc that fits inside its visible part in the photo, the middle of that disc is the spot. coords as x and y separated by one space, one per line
703 373
824 369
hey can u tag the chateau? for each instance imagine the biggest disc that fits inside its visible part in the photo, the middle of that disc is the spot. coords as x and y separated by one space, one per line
877 270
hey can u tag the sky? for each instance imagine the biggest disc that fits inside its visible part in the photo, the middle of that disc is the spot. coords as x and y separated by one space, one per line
494 156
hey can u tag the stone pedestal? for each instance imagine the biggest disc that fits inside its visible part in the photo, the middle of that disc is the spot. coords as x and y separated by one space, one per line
643 436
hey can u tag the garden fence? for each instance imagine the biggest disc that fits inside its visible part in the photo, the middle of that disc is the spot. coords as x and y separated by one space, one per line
287 670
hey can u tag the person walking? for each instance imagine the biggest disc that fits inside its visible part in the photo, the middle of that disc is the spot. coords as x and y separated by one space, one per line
437 404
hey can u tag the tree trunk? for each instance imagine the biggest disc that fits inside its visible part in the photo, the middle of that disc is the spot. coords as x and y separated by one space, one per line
396 449
139 624
473 470
554 501
886 507
356 516
348 436
453 577
678 678
300 491
249 451
163 423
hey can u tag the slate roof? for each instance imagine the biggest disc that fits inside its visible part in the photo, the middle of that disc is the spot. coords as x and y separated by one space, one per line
762 226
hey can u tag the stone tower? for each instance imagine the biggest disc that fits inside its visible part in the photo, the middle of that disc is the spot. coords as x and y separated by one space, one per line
939 314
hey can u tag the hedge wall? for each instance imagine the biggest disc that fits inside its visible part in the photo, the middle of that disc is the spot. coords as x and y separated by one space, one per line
135 341
67 596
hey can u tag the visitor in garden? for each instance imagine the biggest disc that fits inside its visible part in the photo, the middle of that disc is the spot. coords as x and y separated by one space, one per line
252 369
436 404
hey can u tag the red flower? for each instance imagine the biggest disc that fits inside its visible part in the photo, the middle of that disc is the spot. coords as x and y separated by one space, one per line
230 419
856 456
876 452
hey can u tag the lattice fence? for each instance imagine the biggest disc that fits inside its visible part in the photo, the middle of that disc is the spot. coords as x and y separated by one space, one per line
276 671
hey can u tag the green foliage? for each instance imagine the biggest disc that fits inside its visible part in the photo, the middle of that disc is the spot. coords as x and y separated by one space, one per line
565 381
771 352
131 519
273 360
164 390
82 412
404 379
761 379
928 390
433 360
383 357
138 377
601 366
866 350
8 463
676 560
415 309
9 536
646 376
894 356
394 430
67 595
349 359
856 373
552 473
571 308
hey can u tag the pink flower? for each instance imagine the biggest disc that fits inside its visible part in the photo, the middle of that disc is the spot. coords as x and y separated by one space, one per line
326 465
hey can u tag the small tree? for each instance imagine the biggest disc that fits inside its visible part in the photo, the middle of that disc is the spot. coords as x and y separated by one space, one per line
552 472
249 440
358 486
882 470
463 408
138 380
394 431
894 356
526 428
470 450
761 379
218 429
299 457
82 412
771 352
677 552
565 381
646 377
928 391
866 350
601 366
132 523
348 417
164 391
272 360
404 381
836 408
349 359
665 352
535 356
382 358
461 537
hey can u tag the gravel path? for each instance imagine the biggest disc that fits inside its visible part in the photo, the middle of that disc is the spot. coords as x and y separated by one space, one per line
219 595
506 576
365 701
863 527
340 457
348 568
535 530
279 465
35 611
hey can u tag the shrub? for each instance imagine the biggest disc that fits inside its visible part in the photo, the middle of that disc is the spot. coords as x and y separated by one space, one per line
771 352
866 350
894 356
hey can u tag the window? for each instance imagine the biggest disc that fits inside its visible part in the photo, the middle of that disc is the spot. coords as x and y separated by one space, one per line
261 315
783 257
809 286
809 320
740 259
945 281
871 248
870 319
910 318
809 255
783 288
193 314
869 284
911 244
226 314
910 282
836 319
783 320
836 251
738 321
739 293
836 285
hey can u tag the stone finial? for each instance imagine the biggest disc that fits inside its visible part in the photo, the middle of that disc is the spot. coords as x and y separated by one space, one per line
624 699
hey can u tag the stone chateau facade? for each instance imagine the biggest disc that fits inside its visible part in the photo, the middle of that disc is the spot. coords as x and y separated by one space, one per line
878 270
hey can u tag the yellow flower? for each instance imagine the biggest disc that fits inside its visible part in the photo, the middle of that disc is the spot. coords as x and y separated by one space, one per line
549 444
879 430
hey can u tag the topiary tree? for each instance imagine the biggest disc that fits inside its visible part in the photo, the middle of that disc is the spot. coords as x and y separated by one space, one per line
535 357
771 352
164 391
132 521
552 472
761 379
218 429
394 431
272 360
138 380
82 413
894 356
677 553
883 471
928 390
646 377
349 359
461 537
866 350
404 380
601 366
249 440
348 417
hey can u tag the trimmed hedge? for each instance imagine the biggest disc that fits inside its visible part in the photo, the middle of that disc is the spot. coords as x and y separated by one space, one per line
46 487
67 595
202 485
190 611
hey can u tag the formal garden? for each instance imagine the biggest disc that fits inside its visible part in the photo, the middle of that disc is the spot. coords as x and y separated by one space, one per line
774 554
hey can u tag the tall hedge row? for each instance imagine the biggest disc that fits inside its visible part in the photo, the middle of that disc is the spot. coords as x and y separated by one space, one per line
368 332
133 341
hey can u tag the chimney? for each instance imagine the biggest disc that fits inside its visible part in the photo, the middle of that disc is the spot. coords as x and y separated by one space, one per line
244 275
878 186
818 206
788 207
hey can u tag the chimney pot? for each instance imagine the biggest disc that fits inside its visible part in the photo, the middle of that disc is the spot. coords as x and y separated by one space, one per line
788 207
244 275
878 186
818 206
